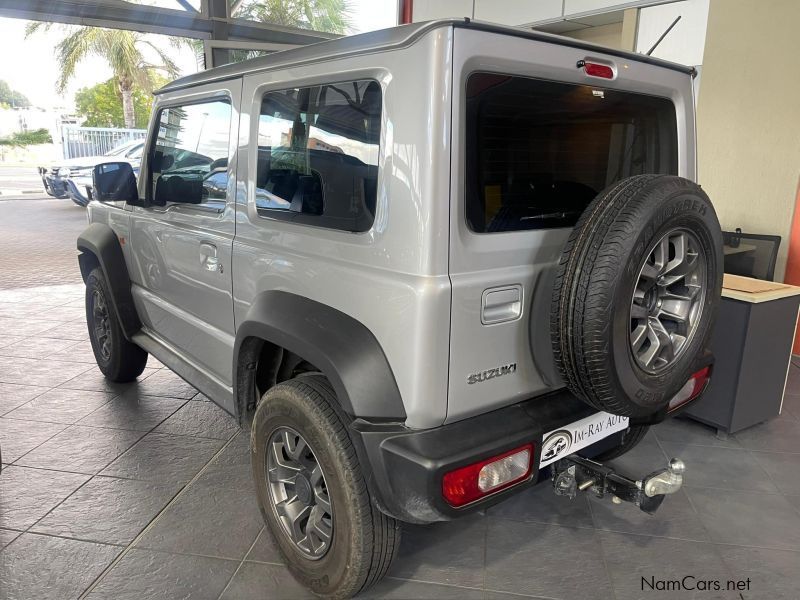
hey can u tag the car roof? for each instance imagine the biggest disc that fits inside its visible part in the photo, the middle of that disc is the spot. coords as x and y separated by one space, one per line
391 39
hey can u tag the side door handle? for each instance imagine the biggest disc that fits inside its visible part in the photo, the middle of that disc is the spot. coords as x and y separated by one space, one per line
208 257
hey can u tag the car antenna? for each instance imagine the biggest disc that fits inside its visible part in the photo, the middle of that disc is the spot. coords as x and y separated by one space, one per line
663 35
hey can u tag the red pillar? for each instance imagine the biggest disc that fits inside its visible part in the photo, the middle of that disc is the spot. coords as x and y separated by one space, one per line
406 11
792 275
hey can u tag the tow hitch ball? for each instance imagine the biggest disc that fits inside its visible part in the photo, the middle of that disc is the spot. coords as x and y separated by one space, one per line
575 474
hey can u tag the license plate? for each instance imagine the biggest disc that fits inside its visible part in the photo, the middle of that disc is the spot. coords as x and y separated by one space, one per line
580 434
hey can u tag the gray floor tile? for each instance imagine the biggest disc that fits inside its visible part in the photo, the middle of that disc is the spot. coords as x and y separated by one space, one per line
80 449
7 340
231 468
402 589
257 581
13 395
451 553
42 567
632 560
74 330
94 380
7 536
61 406
207 520
645 458
29 371
142 574
687 431
165 458
539 504
134 412
108 510
747 518
791 406
35 347
675 518
25 327
784 469
265 549
724 468
773 574
26 495
166 383
76 352
20 437
545 560
202 419
778 435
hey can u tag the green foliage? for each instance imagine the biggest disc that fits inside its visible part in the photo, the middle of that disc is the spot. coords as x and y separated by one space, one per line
331 16
27 138
101 105
12 98
122 49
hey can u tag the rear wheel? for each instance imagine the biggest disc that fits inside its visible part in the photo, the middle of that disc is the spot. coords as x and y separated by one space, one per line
636 293
312 491
119 359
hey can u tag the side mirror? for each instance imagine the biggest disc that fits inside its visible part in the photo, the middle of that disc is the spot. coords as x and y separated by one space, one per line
115 181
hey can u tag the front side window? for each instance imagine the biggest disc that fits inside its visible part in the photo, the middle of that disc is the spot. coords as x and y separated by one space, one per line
539 151
318 153
189 163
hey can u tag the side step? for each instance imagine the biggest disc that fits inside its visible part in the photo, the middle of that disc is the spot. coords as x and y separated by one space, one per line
574 474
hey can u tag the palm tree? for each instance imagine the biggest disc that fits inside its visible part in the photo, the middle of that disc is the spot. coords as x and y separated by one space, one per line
125 52
321 15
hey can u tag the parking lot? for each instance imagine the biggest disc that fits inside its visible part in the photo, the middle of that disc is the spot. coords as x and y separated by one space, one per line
144 490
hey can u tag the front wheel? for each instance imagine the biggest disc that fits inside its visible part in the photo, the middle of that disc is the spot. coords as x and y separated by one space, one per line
312 492
119 359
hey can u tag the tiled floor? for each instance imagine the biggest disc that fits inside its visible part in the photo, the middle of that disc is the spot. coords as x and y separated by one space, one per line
143 491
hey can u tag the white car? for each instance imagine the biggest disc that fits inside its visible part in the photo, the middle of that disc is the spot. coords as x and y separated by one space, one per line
72 177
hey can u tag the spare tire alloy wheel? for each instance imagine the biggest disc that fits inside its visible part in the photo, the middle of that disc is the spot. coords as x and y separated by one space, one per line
298 492
636 293
668 300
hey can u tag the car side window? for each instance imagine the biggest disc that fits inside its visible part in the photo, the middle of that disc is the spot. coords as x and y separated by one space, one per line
189 163
318 151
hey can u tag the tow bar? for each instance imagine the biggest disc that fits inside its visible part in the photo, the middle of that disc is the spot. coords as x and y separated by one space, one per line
574 474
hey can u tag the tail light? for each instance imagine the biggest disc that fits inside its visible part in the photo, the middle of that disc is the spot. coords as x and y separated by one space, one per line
691 389
473 482
596 69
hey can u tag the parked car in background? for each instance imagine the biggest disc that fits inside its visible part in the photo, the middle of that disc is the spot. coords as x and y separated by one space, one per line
72 178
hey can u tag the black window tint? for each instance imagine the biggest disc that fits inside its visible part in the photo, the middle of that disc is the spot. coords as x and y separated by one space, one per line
318 155
190 159
538 151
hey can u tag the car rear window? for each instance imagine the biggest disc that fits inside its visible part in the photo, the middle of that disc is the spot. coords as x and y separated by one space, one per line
539 151
318 153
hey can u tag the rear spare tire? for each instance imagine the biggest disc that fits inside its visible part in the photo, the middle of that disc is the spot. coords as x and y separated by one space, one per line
636 293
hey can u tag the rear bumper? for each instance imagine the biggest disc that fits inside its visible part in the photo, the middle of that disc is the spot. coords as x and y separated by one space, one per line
407 465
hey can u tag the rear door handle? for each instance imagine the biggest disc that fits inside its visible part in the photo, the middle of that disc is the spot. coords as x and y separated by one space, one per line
501 304
208 257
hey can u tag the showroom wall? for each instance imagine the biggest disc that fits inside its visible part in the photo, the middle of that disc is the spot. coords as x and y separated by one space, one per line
748 123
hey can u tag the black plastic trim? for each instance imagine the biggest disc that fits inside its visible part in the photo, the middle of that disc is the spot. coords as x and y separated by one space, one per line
99 245
342 348
406 466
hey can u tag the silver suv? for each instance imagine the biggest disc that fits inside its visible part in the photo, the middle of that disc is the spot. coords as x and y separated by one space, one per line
428 267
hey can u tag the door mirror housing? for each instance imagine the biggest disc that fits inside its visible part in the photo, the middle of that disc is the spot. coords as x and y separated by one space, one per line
115 181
